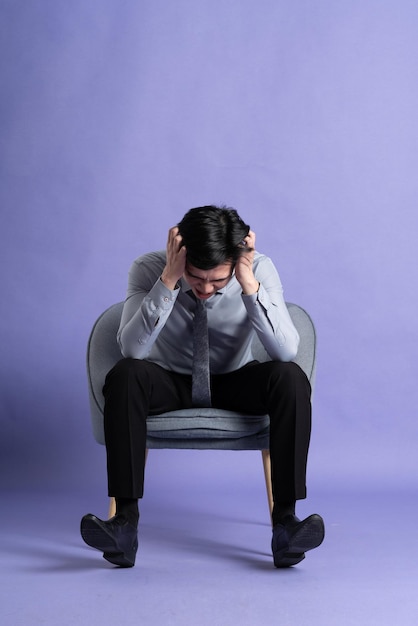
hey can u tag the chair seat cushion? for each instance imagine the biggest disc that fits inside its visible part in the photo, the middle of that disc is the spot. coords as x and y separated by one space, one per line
205 423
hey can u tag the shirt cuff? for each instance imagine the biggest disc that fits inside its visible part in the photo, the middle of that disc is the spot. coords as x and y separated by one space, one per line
162 296
254 300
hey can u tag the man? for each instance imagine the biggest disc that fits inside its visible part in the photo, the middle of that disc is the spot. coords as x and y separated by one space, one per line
211 265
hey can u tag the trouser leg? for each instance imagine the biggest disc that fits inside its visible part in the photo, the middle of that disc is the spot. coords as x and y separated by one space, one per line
283 391
133 390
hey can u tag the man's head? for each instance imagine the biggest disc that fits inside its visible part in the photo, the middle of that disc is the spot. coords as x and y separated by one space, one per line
212 236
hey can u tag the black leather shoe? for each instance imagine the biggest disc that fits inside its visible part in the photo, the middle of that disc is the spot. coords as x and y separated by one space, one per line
292 538
116 538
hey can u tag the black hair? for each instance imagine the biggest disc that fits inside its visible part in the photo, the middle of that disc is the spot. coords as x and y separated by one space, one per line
213 236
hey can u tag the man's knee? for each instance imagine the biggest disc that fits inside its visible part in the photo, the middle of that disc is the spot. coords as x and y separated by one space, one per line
126 370
129 365
123 366
290 376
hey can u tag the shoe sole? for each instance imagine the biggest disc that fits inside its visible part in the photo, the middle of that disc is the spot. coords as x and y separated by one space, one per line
96 537
308 535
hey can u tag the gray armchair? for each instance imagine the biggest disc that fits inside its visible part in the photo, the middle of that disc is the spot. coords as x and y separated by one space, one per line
197 428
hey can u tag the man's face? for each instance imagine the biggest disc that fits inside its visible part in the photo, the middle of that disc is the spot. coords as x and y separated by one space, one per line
205 283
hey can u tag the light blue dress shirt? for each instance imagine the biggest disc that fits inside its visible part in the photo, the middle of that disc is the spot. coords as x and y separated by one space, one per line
157 322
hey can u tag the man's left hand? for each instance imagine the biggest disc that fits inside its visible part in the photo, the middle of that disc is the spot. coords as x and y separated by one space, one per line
244 266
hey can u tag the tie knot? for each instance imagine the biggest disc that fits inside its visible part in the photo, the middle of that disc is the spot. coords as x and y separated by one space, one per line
200 308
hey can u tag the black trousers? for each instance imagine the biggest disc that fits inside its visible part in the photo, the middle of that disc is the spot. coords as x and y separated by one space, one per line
136 388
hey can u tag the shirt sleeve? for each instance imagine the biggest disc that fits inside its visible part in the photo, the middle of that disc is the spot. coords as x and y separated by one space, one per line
147 307
268 313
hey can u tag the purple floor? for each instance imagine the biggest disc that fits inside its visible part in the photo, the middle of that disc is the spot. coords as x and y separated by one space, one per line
204 555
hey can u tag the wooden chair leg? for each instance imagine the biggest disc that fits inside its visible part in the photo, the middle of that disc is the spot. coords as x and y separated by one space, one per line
267 476
112 501
112 507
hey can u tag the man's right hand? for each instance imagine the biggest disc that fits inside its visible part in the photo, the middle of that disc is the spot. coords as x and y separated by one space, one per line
176 259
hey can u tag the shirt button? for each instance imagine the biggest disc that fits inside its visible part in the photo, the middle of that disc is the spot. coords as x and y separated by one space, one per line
165 299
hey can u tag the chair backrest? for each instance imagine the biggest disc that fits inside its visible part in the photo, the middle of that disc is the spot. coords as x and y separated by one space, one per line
103 353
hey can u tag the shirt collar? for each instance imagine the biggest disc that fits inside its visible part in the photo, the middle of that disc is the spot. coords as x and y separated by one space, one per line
184 285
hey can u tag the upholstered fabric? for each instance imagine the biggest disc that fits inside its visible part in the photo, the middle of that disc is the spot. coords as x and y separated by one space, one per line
200 428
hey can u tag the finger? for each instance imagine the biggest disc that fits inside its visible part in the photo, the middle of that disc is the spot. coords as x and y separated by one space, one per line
251 238
175 240
170 234
178 242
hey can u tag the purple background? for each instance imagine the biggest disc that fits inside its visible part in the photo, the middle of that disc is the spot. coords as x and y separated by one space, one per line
117 117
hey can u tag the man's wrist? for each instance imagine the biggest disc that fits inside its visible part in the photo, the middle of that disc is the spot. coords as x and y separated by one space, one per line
169 283
251 289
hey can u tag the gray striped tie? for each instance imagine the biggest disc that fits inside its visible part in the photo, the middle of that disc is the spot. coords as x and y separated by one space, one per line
200 368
